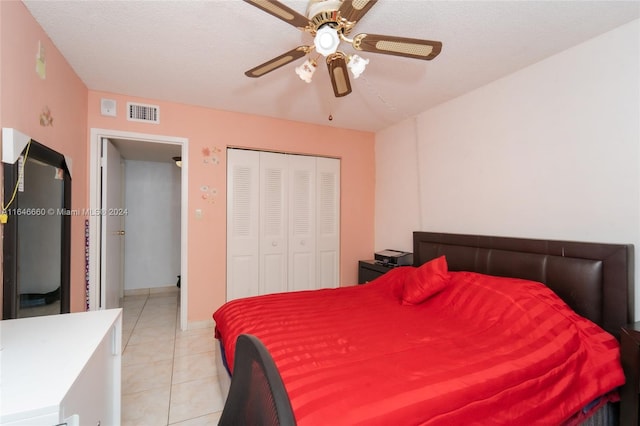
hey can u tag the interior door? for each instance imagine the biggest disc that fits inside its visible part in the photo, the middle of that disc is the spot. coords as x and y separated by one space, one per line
328 218
273 222
243 182
112 226
302 223
283 222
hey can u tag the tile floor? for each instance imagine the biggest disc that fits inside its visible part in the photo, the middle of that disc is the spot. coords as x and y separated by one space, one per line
168 376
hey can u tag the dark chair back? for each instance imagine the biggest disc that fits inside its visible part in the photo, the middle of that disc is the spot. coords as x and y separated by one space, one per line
257 396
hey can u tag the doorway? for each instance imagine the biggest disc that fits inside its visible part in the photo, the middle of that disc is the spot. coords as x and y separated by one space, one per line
139 148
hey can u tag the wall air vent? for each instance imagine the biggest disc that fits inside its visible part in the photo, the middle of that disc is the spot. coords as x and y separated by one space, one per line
143 112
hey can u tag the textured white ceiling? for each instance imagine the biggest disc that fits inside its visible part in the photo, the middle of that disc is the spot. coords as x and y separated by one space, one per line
196 52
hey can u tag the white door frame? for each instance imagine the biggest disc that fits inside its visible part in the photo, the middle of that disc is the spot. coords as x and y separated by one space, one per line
95 200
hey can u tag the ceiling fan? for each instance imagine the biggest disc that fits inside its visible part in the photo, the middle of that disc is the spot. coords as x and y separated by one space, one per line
330 22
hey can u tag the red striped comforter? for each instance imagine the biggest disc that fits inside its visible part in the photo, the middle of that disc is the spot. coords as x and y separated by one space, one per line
485 350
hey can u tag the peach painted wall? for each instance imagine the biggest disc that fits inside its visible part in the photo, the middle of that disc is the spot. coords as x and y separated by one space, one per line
210 132
24 96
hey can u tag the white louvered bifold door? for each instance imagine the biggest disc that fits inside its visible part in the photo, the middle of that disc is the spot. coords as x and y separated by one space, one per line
283 223
328 222
302 223
273 222
243 184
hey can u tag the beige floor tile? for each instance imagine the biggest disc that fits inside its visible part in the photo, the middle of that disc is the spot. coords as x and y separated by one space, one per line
164 291
135 293
193 367
131 311
158 300
150 334
126 335
208 323
157 320
208 420
134 300
167 374
194 399
143 377
166 311
194 344
203 332
129 323
148 408
150 351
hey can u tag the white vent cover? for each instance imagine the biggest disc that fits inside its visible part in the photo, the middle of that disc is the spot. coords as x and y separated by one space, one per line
108 107
143 112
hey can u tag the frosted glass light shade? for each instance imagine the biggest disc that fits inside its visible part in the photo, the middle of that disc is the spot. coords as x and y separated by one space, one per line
326 40
306 70
357 65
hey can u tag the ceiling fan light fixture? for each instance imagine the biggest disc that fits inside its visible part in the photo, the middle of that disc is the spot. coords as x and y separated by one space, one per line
331 22
357 65
318 6
306 70
326 40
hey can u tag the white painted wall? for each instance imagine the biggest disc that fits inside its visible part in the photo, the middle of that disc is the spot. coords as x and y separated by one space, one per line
152 224
551 151
397 187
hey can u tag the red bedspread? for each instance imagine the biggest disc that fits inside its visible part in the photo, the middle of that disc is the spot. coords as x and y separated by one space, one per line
485 350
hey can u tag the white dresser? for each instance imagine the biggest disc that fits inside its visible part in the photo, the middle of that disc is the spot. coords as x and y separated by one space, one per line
61 369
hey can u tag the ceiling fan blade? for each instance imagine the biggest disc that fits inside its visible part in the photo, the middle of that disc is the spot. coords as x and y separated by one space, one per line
337 64
278 62
399 46
280 11
354 10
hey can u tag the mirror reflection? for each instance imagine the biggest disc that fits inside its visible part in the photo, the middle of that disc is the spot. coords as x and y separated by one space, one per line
39 256
37 234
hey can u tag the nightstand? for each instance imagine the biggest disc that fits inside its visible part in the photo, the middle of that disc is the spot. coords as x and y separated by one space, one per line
630 358
369 270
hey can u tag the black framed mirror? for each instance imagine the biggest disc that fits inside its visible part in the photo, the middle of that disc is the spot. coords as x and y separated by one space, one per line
37 235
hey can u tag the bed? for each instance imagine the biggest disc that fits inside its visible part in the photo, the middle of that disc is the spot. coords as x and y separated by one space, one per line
468 335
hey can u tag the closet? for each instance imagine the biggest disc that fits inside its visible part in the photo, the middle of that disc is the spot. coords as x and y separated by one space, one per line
283 222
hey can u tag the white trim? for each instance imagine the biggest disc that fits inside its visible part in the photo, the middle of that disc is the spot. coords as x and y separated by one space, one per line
69 162
94 203
198 325
13 143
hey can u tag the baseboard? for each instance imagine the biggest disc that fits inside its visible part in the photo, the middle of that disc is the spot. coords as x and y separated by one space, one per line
164 290
153 291
193 325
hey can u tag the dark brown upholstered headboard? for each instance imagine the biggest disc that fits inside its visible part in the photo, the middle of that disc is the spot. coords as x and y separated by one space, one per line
595 280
